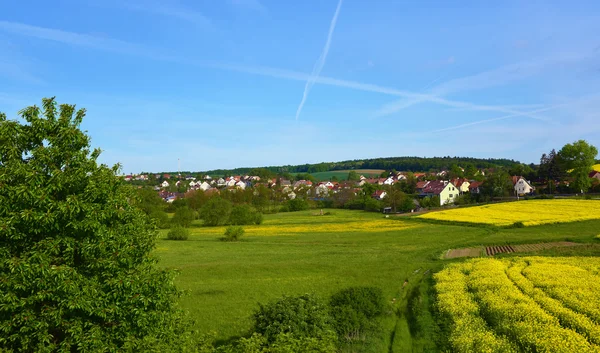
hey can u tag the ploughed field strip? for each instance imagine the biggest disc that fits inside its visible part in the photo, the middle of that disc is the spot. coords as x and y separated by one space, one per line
504 249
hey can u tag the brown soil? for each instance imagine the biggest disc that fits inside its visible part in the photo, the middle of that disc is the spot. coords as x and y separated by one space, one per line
504 249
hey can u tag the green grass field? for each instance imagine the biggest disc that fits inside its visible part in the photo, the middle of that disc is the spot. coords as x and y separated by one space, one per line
343 174
322 254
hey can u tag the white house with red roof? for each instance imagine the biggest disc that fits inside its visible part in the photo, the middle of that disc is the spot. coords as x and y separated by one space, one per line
447 191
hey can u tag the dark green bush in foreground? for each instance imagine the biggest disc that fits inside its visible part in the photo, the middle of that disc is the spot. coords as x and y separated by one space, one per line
354 311
178 233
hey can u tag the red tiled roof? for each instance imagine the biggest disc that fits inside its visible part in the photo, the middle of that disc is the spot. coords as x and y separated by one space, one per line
475 184
515 179
435 187
421 184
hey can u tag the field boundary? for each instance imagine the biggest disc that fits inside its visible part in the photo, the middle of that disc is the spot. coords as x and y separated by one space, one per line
491 250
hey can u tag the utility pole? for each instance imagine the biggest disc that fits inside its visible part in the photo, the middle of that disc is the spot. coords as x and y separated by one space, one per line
179 167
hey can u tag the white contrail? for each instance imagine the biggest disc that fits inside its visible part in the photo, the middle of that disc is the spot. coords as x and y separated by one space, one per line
320 62
502 117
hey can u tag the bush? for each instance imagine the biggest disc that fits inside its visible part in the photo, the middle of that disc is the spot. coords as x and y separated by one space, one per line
233 233
518 225
258 218
372 205
178 233
297 204
161 218
303 316
354 310
216 212
244 215
184 216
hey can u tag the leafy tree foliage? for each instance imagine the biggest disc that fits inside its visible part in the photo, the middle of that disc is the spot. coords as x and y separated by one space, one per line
184 216
353 176
354 310
233 233
76 271
297 204
497 184
216 212
301 316
178 233
579 158
244 215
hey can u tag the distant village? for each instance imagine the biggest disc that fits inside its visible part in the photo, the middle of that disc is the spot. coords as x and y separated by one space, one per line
170 187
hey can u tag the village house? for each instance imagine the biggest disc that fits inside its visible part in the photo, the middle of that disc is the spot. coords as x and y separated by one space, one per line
220 182
447 191
165 184
379 194
322 190
522 186
461 184
240 184
595 175
301 183
474 187
421 185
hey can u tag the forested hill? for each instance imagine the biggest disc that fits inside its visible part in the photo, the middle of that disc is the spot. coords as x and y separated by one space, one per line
413 164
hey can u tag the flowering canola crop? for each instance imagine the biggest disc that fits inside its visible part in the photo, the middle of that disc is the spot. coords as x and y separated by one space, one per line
531 304
532 212
273 228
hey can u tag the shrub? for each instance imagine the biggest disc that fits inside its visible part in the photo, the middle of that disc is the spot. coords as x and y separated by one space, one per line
178 233
372 205
304 316
216 212
161 218
233 233
184 216
258 218
354 310
244 215
297 204
518 225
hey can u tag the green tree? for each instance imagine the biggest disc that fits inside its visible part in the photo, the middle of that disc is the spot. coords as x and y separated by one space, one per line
184 216
353 176
76 271
497 184
579 158
216 212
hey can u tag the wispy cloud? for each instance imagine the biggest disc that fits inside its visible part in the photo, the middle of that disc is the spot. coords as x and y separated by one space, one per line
516 114
250 4
496 77
119 46
169 9
320 62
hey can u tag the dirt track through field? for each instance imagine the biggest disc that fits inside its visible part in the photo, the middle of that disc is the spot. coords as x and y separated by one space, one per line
504 249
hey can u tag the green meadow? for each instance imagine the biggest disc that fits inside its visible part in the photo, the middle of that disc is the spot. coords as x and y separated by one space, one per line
343 174
304 252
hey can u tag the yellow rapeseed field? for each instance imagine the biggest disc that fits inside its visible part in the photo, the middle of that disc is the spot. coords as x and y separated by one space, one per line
274 229
532 304
597 167
532 212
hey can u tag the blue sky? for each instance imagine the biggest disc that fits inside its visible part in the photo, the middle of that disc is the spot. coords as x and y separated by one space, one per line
232 83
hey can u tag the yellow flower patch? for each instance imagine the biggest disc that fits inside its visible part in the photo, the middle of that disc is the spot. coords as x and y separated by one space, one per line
534 304
266 229
533 212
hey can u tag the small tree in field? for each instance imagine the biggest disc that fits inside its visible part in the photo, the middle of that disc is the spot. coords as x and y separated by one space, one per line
76 272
